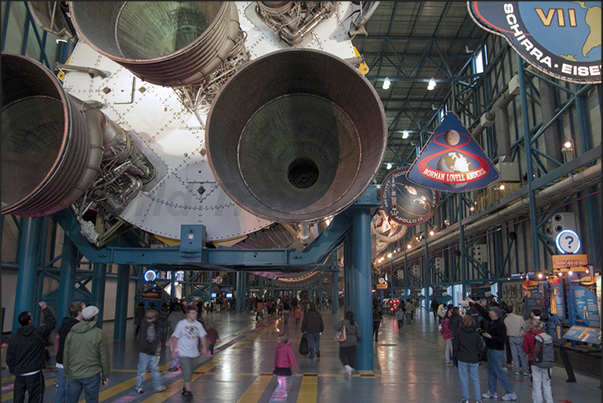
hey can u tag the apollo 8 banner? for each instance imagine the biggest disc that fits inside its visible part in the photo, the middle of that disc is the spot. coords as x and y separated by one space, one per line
406 203
560 38
452 161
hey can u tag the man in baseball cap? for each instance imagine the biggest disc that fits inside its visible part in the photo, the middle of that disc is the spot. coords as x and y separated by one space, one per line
86 358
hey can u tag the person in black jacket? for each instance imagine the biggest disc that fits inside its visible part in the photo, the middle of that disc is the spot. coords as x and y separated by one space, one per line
313 325
75 310
25 355
467 346
148 340
495 336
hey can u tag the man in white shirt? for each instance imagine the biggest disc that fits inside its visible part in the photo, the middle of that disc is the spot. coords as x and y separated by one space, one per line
187 335
516 329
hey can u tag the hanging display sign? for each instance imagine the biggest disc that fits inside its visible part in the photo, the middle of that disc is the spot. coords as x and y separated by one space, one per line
385 229
405 202
561 38
452 161
537 297
568 241
565 261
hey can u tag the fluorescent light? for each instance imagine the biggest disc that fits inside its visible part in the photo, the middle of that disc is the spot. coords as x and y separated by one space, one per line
389 165
405 134
386 83
431 85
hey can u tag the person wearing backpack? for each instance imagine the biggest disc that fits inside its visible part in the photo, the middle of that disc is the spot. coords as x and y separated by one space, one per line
538 346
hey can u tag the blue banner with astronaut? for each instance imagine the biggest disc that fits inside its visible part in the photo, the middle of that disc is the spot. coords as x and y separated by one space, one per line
405 202
560 38
452 161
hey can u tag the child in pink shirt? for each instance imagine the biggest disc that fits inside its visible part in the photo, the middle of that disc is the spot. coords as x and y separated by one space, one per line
283 360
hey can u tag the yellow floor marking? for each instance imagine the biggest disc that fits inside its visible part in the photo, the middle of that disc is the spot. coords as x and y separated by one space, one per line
130 383
176 387
255 391
308 392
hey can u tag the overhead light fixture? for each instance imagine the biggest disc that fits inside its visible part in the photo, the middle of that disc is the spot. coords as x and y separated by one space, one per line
471 208
378 186
386 83
432 232
408 246
389 255
389 165
502 186
431 85
405 134
568 146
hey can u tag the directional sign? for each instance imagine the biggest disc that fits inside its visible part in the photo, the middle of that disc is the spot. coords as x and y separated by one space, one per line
568 241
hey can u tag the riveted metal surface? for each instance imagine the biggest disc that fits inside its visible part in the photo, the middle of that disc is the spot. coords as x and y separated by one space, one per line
157 121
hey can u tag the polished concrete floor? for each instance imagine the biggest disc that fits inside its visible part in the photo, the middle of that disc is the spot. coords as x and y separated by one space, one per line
409 367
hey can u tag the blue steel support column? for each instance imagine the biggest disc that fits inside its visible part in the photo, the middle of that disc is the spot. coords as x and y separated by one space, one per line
405 274
28 265
594 234
241 280
99 274
462 248
335 291
528 151
67 284
427 274
348 292
121 301
362 279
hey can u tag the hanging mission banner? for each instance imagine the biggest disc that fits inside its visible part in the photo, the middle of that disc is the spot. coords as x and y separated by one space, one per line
452 161
560 38
405 202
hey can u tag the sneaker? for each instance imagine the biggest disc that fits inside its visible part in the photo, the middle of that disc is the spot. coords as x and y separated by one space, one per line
509 396
505 368
517 374
465 401
490 395
526 374
348 370
139 391
160 388
317 355
173 369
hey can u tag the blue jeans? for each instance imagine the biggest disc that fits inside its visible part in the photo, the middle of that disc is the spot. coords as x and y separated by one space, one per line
62 380
314 343
90 385
496 371
144 361
468 370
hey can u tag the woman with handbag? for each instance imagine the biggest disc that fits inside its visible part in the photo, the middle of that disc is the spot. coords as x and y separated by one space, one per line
347 343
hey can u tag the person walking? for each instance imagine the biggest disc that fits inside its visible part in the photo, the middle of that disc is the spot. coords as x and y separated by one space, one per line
400 316
297 315
25 355
377 317
434 307
313 325
148 340
283 360
259 309
86 358
163 323
516 330
454 322
445 330
467 346
75 312
212 337
347 348
495 335
440 313
185 340
410 309
541 377
286 311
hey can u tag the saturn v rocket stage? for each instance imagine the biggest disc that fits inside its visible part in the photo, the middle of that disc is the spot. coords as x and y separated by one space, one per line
292 132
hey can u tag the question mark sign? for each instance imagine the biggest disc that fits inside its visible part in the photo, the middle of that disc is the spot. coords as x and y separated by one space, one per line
569 240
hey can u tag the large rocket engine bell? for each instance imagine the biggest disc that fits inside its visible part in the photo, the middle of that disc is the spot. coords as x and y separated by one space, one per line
58 150
164 43
296 135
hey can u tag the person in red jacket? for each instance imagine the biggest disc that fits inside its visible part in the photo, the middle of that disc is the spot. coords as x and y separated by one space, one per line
541 377
445 330
283 360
